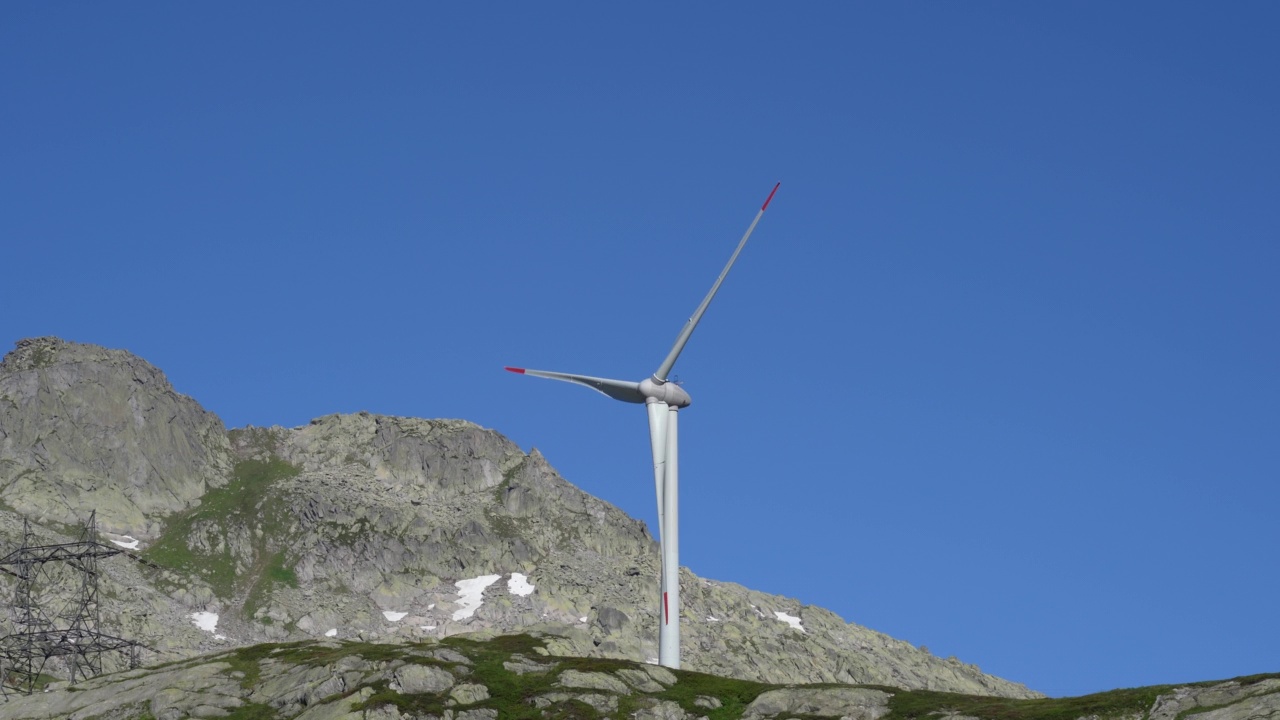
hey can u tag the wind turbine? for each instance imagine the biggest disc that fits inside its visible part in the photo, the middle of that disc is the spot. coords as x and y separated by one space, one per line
663 400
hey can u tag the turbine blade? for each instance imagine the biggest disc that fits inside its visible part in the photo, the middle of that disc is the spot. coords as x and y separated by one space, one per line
617 389
658 444
665 368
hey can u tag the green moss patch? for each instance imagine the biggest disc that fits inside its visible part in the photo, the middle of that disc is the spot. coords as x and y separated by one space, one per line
734 695
252 711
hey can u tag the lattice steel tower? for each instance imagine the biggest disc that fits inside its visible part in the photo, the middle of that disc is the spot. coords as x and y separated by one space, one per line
71 633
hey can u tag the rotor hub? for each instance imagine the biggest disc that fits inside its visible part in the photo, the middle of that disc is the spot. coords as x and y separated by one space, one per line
666 392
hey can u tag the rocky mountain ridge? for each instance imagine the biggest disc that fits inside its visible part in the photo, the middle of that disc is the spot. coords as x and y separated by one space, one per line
372 528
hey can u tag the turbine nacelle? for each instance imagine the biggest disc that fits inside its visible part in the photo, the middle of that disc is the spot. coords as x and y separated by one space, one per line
666 392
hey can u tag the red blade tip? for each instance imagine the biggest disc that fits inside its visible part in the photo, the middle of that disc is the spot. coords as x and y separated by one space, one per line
514 370
766 200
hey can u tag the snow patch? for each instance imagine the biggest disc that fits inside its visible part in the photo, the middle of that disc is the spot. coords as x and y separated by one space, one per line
471 595
791 620
582 619
393 616
206 621
127 542
428 627
519 585
712 618
331 632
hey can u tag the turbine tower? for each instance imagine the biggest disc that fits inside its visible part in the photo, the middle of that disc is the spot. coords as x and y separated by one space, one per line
663 401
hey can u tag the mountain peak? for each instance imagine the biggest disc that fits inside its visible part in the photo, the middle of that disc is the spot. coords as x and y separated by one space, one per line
88 428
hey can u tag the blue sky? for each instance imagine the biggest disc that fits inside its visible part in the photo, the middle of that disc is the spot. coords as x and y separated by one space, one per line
997 373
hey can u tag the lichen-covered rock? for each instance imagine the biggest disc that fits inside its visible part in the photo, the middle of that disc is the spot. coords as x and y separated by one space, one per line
640 680
601 702
421 679
659 674
169 693
851 703
343 708
469 694
1222 701
706 701
520 665
663 710
1256 707
593 681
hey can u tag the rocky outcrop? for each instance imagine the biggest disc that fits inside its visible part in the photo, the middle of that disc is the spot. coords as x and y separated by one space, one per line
843 702
84 428
365 527
1232 700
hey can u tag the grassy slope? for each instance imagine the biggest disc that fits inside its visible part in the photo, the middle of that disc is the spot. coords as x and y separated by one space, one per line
241 507
512 694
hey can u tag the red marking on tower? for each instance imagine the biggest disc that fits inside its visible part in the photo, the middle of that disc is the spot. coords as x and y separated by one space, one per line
771 192
666 611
